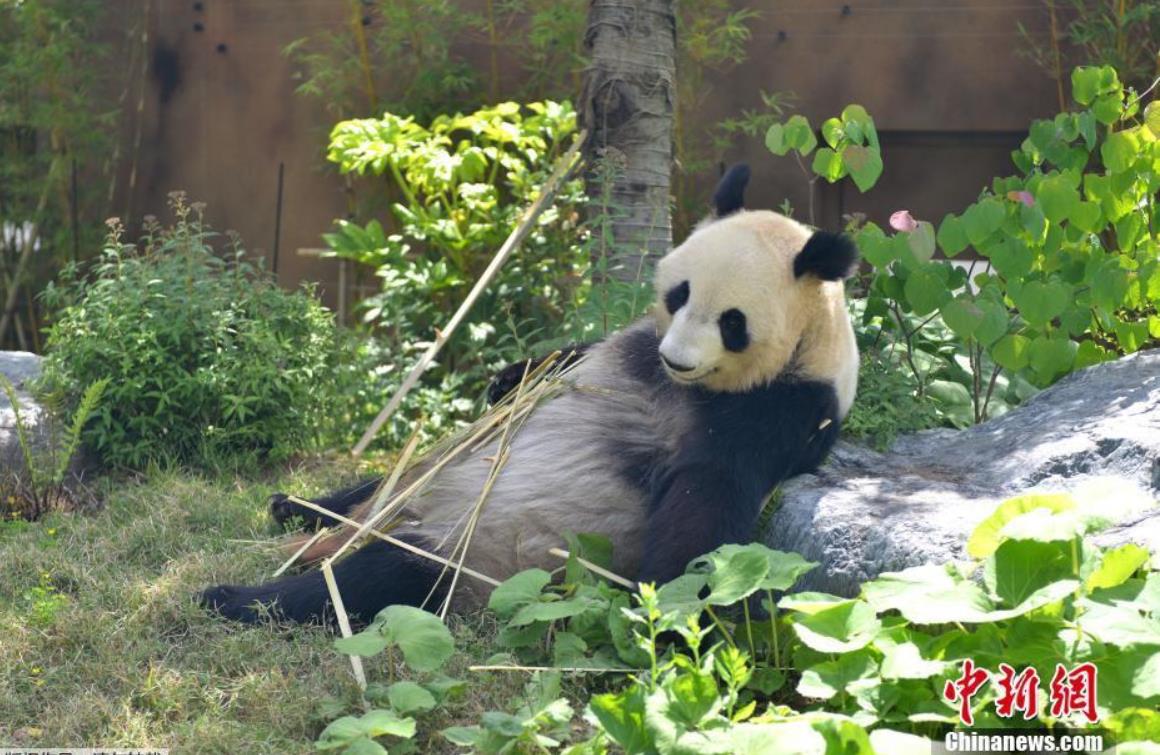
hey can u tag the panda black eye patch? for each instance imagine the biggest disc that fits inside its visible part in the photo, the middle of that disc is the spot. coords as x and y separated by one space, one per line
677 297
734 334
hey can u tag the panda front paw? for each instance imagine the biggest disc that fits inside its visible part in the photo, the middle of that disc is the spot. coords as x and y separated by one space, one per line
283 511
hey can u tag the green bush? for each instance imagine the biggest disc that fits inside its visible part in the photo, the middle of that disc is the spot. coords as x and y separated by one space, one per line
208 362
462 183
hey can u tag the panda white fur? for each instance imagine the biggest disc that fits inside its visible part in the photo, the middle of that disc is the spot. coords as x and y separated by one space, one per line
673 434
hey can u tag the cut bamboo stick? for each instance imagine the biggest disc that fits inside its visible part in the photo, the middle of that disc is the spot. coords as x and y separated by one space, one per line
356 665
522 229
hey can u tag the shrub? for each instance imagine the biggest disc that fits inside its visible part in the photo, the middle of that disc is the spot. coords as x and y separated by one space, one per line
207 360
463 182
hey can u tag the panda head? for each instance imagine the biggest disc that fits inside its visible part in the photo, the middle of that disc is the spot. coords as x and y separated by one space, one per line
749 293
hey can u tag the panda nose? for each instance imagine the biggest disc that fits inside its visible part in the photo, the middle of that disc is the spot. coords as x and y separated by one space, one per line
674 366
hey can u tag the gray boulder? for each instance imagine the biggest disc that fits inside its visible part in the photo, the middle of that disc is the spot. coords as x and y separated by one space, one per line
20 367
865 513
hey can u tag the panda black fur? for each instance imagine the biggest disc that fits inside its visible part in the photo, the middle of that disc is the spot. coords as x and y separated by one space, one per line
675 431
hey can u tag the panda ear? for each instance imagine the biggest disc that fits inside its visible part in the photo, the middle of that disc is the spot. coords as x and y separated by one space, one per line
828 256
730 194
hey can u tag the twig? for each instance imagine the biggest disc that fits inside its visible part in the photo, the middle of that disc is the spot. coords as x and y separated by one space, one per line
522 229
393 540
567 669
612 576
360 675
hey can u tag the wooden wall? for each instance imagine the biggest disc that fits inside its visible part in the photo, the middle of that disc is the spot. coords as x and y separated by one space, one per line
941 78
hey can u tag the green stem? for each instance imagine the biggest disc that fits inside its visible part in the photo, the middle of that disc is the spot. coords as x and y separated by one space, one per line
749 629
773 627
721 627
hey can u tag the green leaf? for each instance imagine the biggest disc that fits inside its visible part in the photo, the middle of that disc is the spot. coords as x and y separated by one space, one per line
1040 303
366 643
1146 681
929 594
517 591
1086 217
829 678
952 235
1051 357
844 627
553 610
737 573
921 241
962 316
987 535
375 723
621 714
925 290
424 640
832 131
799 135
864 164
1012 257
409 697
905 661
464 736
1022 567
899 743
1085 84
1012 352
1119 151
1152 118
828 164
1058 197
1116 566
982 219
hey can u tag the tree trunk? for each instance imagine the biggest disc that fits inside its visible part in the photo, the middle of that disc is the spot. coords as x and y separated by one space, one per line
627 106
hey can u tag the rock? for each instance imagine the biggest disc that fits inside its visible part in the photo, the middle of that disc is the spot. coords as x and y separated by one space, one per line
865 512
20 368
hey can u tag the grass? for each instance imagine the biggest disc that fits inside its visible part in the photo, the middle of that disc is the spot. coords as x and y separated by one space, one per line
101 643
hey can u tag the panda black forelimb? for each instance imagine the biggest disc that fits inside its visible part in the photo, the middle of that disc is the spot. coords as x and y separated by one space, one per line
508 379
341 502
744 446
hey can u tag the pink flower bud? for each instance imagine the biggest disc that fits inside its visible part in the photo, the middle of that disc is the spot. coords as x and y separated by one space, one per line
903 221
1021 196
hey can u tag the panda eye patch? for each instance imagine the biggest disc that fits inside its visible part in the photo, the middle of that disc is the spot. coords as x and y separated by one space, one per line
677 297
734 335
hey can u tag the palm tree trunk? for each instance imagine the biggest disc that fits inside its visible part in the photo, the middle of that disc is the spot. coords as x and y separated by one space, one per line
627 106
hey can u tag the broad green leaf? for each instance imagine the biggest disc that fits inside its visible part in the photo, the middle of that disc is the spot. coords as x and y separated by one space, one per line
952 236
962 316
1011 257
464 736
518 591
795 737
1146 681
1012 352
810 602
925 290
553 610
1058 197
841 628
832 131
375 723
824 680
1020 568
1086 217
1152 118
1085 84
1119 150
799 135
928 595
864 164
1120 625
921 241
905 661
982 219
737 573
828 164
366 643
424 640
899 743
408 697
1040 303
1052 357
1116 566
621 714
987 535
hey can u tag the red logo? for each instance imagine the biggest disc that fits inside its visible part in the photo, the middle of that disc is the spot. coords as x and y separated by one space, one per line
1069 691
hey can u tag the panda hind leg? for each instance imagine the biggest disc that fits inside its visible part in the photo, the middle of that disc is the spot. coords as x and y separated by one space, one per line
287 513
370 579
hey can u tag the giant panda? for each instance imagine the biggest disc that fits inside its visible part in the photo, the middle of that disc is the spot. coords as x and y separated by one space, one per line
668 438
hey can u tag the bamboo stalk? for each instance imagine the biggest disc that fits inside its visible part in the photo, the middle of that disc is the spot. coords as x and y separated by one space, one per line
356 666
522 229
612 576
567 669
290 561
393 540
